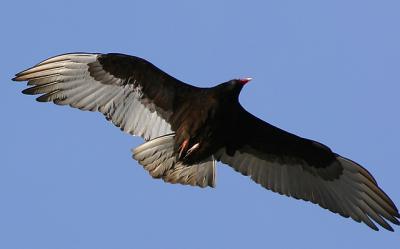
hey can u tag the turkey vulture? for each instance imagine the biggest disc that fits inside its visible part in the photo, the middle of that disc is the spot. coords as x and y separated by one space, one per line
187 129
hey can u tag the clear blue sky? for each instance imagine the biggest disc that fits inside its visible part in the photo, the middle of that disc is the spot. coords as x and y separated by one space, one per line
327 70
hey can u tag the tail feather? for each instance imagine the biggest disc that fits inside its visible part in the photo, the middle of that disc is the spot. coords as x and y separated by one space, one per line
158 157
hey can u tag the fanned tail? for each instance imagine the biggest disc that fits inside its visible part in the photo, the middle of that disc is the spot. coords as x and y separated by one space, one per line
157 156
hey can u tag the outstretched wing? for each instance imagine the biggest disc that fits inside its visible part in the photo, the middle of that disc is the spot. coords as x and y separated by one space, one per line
307 170
131 92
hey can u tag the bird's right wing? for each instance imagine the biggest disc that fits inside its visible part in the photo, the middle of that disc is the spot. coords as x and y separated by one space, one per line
307 170
134 94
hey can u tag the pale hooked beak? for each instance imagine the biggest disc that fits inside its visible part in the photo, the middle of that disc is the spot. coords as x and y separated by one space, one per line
245 80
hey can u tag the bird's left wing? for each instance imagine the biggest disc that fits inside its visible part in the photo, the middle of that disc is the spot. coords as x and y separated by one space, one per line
131 92
307 170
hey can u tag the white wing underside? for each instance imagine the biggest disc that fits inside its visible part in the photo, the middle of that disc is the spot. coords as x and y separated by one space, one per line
354 194
65 80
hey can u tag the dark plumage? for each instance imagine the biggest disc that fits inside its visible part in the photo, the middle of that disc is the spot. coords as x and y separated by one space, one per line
188 128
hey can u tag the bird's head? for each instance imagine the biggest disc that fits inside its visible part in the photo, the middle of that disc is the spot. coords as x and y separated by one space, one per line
233 87
230 90
242 81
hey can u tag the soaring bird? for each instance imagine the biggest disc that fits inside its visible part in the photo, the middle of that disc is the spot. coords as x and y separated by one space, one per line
187 129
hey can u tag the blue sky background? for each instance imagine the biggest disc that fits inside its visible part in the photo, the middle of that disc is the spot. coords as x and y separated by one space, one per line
327 70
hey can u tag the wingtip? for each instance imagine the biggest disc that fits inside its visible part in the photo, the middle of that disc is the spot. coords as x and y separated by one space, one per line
43 98
19 77
27 91
396 212
375 228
